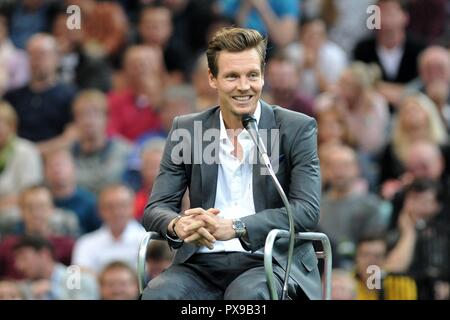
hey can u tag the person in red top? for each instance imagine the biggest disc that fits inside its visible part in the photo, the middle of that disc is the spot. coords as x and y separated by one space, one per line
133 110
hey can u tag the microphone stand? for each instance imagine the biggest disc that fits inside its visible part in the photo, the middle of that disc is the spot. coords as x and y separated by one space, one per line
249 122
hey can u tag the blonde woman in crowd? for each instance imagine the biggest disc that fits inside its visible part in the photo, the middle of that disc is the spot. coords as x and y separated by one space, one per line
417 120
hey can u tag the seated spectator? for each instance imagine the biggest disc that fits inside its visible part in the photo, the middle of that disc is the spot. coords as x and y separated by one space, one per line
47 279
156 30
43 105
421 241
14 71
76 66
342 285
20 165
117 239
424 160
99 160
392 49
28 17
320 60
434 79
345 215
364 109
283 83
39 213
417 119
369 264
38 219
9 290
159 257
133 110
275 19
118 281
206 96
60 176
151 156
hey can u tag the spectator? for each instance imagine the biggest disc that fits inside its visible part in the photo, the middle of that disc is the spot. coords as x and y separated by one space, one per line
283 79
43 106
369 263
345 215
38 215
76 66
417 119
159 257
27 17
391 48
275 19
60 175
20 165
434 79
321 61
99 160
156 30
133 111
14 71
118 281
206 96
364 109
422 240
47 279
119 236
150 158
38 219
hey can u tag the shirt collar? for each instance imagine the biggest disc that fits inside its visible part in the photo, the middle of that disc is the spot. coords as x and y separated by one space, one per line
223 132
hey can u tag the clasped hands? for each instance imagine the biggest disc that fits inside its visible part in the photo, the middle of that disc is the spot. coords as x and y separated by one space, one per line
203 227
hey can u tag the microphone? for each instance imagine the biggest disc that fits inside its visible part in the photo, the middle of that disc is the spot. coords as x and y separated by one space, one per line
249 123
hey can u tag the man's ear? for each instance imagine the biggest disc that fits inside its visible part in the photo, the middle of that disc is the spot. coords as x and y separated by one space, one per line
211 80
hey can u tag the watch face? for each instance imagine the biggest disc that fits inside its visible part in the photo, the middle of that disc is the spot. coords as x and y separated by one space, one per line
238 225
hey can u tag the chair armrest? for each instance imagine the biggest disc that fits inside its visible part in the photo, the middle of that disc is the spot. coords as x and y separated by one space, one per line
311 236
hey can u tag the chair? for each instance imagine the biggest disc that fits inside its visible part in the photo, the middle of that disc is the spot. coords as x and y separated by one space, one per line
268 250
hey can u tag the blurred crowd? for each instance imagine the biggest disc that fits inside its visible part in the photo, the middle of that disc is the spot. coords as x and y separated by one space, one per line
84 113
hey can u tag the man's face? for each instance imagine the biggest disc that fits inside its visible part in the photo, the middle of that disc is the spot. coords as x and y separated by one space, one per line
239 82
393 18
421 163
43 57
156 26
343 170
369 253
37 208
435 66
282 76
59 169
422 205
90 119
118 284
29 262
150 166
116 207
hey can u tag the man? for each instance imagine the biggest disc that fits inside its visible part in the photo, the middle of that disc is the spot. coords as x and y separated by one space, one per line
234 205
119 236
43 105
47 279
371 252
118 281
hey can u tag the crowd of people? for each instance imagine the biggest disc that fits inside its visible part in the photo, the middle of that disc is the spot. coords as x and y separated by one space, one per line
84 113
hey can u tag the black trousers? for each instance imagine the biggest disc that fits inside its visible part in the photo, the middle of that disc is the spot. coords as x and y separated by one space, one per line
218 276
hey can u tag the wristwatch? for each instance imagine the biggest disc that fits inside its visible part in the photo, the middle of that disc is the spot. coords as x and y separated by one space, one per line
239 227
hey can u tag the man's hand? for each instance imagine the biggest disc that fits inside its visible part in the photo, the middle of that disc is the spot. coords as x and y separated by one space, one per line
220 228
196 231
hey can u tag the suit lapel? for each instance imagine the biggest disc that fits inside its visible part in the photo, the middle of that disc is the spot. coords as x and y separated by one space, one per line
266 123
209 171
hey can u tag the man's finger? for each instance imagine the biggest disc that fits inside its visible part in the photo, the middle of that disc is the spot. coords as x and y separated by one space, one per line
194 211
194 226
205 234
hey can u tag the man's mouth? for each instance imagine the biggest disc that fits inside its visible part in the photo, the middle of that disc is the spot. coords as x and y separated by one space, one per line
242 98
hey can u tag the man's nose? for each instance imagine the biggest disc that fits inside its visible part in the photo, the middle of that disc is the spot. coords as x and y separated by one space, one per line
243 84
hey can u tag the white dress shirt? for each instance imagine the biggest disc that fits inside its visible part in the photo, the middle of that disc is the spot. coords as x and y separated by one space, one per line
234 193
390 60
98 248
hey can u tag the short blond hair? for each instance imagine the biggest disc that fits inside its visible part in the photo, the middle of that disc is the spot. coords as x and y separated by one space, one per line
93 95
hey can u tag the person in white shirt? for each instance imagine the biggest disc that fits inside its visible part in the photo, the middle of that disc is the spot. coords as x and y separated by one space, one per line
117 239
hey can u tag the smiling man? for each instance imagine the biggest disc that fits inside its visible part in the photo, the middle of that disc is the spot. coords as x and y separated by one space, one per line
233 204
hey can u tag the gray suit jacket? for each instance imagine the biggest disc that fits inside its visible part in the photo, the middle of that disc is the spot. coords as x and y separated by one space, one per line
298 173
